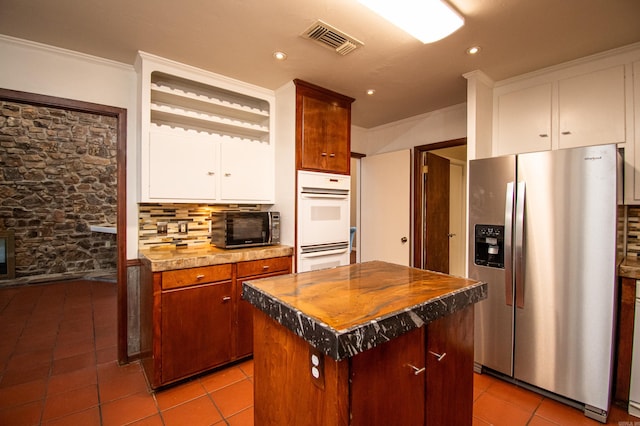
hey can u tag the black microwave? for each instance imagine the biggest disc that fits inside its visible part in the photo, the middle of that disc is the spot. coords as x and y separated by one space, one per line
235 229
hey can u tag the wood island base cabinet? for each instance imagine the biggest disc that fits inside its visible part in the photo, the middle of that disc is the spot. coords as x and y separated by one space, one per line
423 377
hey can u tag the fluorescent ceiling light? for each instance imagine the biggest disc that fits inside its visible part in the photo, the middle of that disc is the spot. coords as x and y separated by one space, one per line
426 20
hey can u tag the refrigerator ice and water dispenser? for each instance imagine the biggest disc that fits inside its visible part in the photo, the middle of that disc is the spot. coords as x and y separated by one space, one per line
489 246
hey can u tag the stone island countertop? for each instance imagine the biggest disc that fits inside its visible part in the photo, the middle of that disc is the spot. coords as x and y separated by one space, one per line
166 259
346 310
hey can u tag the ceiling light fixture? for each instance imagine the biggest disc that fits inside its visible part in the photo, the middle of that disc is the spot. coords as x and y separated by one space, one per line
281 56
371 92
473 50
426 20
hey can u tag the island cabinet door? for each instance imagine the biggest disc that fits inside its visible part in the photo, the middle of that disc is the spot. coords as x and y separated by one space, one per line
388 383
449 362
196 329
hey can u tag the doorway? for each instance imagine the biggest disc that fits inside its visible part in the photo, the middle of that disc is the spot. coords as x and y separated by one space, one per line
439 206
120 115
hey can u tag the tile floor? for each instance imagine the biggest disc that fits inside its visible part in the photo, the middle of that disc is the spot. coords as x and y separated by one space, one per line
58 367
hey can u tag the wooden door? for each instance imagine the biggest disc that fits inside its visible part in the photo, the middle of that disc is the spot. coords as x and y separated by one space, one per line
388 383
385 207
436 229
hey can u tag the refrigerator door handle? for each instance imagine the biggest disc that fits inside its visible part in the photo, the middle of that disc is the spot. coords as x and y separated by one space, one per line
508 255
519 243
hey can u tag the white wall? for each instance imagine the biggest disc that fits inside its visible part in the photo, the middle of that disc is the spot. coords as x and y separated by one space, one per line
37 68
436 126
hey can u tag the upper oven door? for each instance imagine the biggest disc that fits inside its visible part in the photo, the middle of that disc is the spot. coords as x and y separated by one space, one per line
323 208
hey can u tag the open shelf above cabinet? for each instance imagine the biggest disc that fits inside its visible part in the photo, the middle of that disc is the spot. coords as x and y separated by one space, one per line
204 137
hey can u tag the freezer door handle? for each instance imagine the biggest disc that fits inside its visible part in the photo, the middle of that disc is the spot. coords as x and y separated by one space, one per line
519 242
508 257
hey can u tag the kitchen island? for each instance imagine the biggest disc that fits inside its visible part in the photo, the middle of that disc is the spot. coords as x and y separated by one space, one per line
365 344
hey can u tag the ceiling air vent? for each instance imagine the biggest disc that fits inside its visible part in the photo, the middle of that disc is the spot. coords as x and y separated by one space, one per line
329 36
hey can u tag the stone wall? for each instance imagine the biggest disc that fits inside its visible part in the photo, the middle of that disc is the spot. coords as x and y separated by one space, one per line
58 177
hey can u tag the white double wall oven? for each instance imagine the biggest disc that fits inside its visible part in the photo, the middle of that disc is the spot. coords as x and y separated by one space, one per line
323 220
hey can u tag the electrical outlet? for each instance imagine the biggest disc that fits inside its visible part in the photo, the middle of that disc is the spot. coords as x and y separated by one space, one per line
316 365
183 227
161 228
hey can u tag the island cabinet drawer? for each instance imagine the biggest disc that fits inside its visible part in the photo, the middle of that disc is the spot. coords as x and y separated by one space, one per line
264 266
192 276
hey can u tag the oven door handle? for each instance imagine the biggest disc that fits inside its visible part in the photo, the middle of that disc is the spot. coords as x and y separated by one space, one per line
316 196
323 253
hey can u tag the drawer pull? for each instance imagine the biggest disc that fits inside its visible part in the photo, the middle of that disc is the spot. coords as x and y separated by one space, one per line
417 370
226 299
199 276
438 356
265 267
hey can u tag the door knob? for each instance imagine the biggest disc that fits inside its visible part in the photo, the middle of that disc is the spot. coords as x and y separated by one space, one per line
403 239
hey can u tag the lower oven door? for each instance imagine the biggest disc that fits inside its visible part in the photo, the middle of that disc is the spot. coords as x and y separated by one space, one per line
313 258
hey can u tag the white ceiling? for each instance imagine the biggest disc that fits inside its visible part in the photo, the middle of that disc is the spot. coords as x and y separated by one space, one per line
236 38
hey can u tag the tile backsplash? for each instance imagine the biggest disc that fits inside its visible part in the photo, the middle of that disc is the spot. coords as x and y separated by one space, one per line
196 216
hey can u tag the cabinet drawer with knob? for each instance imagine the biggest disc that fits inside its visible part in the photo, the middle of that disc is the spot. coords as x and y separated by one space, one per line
264 266
193 276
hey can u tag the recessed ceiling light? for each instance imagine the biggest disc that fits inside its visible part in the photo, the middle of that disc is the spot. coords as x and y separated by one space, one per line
281 56
473 50
426 20
371 92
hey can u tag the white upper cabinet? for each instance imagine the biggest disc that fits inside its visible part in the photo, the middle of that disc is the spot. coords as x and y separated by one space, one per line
182 165
244 166
203 137
524 120
562 110
592 108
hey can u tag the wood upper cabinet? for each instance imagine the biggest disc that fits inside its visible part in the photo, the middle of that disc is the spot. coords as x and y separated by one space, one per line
323 129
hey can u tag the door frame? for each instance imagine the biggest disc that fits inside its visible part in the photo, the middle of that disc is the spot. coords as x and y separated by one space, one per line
418 244
121 204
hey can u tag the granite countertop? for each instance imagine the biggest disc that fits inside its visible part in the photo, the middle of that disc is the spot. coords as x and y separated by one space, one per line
629 268
346 310
166 259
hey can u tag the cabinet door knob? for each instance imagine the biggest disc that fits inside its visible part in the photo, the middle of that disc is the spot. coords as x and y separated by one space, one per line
438 356
324 154
265 267
543 135
332 155
211 173
226 299
199 276
417 370
227 174
566 132
403 240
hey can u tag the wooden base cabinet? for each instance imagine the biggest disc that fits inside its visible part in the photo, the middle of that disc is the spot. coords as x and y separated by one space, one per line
424 377
194 319
253 270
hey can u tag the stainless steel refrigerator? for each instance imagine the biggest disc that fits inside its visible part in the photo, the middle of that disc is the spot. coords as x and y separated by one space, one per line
542 234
